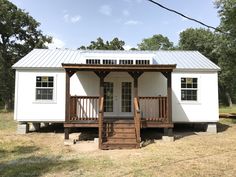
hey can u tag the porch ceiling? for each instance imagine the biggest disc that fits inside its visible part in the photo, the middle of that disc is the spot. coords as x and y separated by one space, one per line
119 68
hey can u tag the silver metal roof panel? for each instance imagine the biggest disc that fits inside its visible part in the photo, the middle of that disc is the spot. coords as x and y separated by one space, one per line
53 58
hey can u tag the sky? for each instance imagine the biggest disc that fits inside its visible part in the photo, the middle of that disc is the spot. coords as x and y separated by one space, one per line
73 23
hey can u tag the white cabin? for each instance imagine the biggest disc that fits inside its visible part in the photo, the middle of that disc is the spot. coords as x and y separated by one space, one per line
66 86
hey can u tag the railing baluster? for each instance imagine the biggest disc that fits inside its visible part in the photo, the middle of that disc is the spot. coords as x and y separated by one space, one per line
154 108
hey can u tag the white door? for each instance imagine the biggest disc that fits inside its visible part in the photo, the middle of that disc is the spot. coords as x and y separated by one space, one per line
118 97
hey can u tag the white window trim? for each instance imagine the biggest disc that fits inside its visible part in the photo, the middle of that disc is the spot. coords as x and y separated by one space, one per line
198 101
54 100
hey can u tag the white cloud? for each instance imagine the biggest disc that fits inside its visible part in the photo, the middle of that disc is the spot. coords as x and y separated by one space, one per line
75 19
105 10
56 43
72 19
125 12
128 47
133 22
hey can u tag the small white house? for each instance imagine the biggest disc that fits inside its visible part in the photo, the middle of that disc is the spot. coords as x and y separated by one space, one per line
84 88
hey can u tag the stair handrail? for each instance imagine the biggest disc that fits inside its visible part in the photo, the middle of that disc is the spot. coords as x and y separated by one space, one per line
100 120
137 119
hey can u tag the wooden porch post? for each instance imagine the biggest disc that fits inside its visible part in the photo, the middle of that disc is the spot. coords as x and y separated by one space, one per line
135 76
169 97
68 73
101 75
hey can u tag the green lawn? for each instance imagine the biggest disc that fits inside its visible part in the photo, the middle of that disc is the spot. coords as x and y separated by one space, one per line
44 154
224 109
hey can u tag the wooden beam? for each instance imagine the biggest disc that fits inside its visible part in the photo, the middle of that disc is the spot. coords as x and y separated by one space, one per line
71 72
120 68
164 74
101 74
135 74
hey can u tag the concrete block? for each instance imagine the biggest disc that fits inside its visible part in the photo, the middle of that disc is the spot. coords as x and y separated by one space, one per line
34 126
96 140
44 124
168 138
211 128
22 128
68 142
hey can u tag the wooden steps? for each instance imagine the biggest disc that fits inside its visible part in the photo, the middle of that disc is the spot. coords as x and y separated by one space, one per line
119 134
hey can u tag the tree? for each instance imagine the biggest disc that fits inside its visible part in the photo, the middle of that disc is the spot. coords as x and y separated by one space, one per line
19 34
115 44
156 42
201 40
227 14
215 47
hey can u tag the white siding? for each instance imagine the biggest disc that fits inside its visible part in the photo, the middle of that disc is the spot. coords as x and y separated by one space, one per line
84 83
152 84
203 110
28 109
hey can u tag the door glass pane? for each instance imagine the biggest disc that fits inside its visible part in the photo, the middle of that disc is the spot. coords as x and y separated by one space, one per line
108 97
126 97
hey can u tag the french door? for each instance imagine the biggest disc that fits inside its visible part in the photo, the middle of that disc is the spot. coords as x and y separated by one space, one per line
118 98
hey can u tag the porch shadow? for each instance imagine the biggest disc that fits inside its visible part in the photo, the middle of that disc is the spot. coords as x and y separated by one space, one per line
52 128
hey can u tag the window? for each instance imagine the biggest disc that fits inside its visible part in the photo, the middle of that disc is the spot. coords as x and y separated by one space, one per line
142 62
44 87
189 89
93 61
109 62
126 97
108 97
126 62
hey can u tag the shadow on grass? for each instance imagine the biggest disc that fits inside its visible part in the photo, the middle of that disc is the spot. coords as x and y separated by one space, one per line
35 166
18 150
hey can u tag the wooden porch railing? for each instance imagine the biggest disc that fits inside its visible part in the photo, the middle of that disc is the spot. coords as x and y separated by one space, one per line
137 120
100 121
84 108
154 108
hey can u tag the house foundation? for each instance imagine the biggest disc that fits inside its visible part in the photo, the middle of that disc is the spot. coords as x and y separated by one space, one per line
22 128
168 135
35 126
211 128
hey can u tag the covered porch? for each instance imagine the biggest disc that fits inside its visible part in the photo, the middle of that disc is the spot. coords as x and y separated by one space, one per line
92 110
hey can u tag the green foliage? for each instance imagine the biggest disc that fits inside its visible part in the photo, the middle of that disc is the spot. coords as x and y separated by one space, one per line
156 42
18 36
218 49
115 44
227 14
201 40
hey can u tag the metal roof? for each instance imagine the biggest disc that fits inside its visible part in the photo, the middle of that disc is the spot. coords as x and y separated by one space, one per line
53 58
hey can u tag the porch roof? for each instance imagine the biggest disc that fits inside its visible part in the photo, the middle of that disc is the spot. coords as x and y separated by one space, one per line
120 68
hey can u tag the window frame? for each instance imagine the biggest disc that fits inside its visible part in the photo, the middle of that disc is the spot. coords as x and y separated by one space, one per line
53 100
192 88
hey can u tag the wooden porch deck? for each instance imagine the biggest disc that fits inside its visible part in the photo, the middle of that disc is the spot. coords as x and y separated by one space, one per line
118 132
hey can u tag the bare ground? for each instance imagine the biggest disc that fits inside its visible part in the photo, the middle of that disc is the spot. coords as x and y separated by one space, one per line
44 154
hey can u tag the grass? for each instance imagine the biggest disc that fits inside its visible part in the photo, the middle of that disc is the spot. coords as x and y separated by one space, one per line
224 109
43 154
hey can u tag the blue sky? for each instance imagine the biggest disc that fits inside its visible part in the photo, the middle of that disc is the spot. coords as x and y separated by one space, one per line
73 23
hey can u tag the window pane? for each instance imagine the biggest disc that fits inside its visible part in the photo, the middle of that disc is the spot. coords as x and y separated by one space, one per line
44 84
108 96
189 95
50 84
44 94
126 97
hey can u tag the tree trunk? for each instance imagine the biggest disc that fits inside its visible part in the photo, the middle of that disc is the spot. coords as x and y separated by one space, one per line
6 106
229 100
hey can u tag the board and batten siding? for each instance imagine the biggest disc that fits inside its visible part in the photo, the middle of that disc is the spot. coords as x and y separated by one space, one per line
206 108
27 108
85 83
